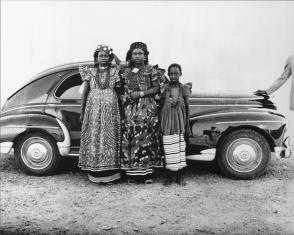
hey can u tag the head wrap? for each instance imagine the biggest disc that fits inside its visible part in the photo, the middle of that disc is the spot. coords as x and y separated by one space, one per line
105 48
139 45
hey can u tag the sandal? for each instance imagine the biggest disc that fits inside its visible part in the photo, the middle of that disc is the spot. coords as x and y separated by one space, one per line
131 181
149 181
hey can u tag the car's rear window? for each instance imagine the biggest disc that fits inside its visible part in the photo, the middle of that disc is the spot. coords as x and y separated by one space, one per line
35 92
69 88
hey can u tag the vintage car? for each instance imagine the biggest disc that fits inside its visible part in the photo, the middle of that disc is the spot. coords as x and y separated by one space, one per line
41 122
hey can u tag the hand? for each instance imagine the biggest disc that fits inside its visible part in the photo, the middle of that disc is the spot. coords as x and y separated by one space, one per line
261 93
116 59
118 84
83 69
174 102
135 95
188 130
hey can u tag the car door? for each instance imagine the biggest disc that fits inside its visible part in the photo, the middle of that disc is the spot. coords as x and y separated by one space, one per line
65 103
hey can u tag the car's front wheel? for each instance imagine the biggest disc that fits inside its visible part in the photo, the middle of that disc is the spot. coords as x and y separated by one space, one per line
243 154
37 154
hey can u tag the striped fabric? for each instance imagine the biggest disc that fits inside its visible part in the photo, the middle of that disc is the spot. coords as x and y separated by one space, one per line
139 172
105 179
174 148
182 152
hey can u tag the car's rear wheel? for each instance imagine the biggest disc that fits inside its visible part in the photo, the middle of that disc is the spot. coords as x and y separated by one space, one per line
37 154
243 154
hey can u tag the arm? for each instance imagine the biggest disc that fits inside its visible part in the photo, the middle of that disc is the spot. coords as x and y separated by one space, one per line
154 89
149 93
155 85
280 81
163 96
116 59
84 99
187 93
277 83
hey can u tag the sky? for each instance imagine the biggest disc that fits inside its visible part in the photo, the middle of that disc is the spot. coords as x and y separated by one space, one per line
223 46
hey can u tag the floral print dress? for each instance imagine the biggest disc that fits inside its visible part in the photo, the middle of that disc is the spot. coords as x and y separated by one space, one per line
101 127
140 130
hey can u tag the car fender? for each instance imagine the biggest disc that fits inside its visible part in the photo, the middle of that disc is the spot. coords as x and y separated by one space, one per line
207 129
12 126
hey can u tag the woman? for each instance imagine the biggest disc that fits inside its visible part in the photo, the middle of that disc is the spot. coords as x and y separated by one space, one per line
100 117
140 141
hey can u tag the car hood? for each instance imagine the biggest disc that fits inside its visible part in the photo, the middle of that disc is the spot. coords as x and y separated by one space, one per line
202 103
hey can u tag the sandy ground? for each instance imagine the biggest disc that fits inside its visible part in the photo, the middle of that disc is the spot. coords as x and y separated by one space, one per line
67 203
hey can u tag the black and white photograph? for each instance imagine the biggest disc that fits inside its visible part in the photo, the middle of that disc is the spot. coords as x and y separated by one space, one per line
147 117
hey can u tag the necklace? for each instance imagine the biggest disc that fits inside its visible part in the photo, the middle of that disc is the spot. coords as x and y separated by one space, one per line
102 78
102 67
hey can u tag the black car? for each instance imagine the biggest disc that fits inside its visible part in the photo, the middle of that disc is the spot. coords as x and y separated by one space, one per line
41 122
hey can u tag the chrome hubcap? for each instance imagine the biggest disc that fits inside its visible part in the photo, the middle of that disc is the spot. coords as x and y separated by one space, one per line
244 155
36 153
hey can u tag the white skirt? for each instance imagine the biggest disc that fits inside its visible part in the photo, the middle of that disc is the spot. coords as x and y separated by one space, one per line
174 149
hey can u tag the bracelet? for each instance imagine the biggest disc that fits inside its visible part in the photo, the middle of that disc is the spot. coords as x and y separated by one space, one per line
141 93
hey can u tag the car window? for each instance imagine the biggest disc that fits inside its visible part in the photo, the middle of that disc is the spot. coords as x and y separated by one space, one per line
34 92
69 88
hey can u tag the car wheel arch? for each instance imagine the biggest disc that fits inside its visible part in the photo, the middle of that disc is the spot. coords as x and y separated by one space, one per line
230 130
29 131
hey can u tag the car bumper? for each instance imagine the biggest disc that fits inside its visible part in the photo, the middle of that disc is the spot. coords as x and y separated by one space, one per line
5 147
64 146
283 152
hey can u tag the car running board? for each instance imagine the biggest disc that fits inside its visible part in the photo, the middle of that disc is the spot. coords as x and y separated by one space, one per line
205 155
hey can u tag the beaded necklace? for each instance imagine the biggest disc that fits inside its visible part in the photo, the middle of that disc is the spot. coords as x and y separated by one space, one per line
102 79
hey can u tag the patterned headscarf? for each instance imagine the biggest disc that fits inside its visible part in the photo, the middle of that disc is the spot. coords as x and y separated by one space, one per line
137 45
105 48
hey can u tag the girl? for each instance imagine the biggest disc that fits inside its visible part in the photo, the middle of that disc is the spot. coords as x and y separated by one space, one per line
100 117
175 123
140 141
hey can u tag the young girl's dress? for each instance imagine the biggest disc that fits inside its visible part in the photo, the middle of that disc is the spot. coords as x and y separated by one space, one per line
101 127
174 114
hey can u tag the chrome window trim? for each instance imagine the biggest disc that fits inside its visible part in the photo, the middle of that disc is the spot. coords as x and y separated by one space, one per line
39 105
64 78
259 121
26 126
246 105
24 107
61 105
217 114
223 98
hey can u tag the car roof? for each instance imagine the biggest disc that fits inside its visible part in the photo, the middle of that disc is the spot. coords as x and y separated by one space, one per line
55 69
60 68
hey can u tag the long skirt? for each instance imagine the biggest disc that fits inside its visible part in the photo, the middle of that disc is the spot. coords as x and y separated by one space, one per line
141 151
174 148
100 134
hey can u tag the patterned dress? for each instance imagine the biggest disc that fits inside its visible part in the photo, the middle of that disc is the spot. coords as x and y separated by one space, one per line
174 115
140 140
101 128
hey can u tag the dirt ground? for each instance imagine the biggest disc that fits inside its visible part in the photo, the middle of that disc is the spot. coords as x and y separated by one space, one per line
67 203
